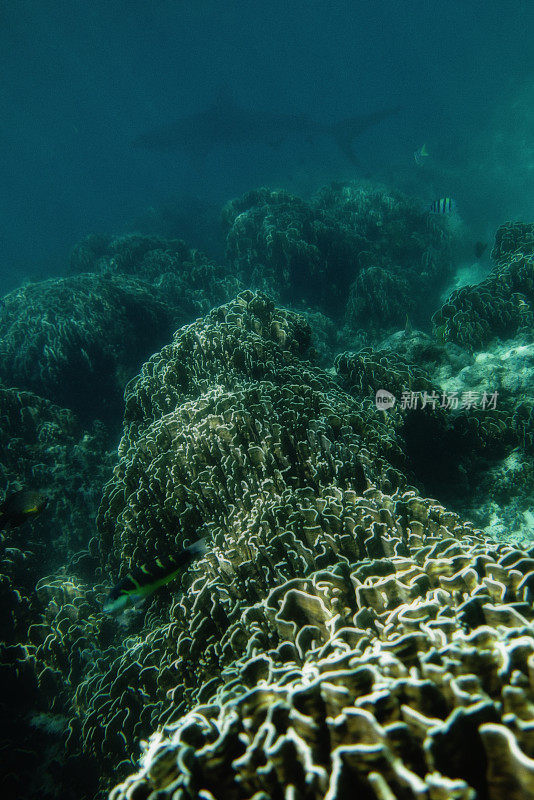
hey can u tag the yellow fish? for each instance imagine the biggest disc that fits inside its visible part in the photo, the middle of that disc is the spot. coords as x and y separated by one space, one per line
21 506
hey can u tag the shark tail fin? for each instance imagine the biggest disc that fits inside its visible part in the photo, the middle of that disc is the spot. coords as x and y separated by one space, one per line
345 131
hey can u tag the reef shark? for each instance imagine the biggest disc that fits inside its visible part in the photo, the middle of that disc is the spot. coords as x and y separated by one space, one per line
225 124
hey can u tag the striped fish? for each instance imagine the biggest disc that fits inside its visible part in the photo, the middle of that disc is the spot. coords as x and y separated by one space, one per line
139 584
445 205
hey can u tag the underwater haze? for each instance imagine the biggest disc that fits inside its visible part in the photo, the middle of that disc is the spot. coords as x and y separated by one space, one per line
80 81
267 400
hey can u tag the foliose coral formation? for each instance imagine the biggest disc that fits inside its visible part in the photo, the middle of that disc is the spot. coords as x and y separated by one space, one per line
511 239
376 247
501 304
77 340
404 670
229 433
228 407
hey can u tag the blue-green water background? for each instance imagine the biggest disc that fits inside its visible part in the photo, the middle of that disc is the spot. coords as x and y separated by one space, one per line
79 80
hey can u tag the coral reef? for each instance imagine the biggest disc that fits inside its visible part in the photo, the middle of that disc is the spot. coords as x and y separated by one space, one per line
271 417
493 320
446 448
43 447
343 634
191 282
228 433
228 430
375 247
474 458
393 569
76 341
501 304
513 239
404 674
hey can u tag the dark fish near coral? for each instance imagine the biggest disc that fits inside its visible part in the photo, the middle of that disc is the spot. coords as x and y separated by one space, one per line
226 124
445 205
139 584
21 506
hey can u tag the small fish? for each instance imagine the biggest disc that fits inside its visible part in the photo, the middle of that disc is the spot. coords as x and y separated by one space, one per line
445 205
139 584
480 249
20 506
420 154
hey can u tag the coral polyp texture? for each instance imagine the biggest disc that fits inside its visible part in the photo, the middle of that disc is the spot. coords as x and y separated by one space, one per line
357 253
342 632
407 674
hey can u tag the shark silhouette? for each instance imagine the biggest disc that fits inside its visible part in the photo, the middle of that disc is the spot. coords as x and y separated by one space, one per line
225 124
